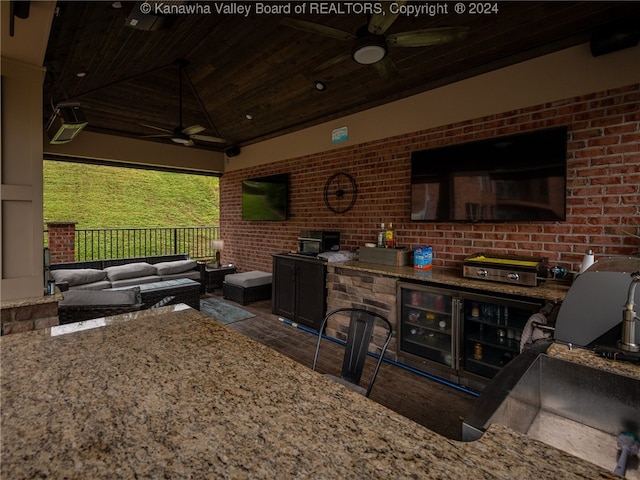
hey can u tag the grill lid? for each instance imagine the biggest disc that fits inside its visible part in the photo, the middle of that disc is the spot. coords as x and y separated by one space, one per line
592 310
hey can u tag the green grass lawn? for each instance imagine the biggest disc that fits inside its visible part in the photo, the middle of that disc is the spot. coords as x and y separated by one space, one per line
97 196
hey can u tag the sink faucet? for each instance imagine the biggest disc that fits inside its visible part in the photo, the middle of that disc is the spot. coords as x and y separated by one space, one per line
629 318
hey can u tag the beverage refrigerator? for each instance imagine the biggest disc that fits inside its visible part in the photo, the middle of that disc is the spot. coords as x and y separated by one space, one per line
462 336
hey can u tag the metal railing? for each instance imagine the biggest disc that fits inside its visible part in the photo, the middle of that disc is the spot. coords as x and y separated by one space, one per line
107 243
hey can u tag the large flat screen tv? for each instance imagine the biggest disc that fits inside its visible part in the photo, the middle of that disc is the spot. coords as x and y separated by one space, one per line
265 198
515 178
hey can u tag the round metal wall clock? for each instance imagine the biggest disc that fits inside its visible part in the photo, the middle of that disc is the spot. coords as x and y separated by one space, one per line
340 192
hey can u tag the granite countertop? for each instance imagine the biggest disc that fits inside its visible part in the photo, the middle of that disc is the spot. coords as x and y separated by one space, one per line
24 302
548 290
170 393
591 359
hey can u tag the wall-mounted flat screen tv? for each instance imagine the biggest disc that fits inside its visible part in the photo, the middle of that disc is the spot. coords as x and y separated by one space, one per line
515 178
265 198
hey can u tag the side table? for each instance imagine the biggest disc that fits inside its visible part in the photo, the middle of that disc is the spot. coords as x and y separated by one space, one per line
213 277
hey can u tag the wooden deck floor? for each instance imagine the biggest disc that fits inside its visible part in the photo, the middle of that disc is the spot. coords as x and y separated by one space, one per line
436 406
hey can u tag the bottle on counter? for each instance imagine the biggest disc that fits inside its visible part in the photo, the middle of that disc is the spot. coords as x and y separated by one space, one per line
587 261
382 236
390 237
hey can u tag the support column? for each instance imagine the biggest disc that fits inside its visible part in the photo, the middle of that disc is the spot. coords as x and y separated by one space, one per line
62 241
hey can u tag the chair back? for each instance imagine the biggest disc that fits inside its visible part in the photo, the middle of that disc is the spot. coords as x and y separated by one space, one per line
361 329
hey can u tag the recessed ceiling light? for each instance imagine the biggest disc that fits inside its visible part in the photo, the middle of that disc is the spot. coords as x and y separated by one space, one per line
81 74
116 5
320 86
248 117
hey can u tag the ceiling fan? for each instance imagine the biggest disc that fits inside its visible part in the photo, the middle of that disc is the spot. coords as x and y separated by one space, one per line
371 45
180 134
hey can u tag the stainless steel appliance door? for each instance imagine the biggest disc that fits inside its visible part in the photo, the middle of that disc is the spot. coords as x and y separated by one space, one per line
309 246
492 328
427 324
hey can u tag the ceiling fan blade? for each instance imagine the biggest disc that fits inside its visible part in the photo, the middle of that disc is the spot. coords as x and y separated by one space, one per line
317 28
386 68
193 129
428 37
155 128
333 61
207 138
156 136
381 22
186 141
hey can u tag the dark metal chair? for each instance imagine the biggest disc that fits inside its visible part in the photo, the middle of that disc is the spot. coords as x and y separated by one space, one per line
361 330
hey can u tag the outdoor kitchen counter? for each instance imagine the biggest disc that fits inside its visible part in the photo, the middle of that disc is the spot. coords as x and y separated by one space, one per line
591 359
548 290
169 393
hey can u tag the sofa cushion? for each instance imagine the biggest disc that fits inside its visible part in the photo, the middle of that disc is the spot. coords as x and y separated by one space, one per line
78 276
130 270
179 266
192 274
255 278
101 298
101 285
136 281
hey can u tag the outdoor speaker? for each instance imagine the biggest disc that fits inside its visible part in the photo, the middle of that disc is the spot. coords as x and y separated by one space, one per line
65 123
614 37
20 8
232 151
142 16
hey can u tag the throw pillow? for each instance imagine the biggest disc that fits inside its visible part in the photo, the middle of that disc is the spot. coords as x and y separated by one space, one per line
78 276
130 270
101 298
179 266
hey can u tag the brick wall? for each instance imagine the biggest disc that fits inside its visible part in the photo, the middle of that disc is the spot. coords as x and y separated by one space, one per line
603 196
62 237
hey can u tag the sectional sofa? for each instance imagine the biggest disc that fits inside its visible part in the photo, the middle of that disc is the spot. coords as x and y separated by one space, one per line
101 288
123 272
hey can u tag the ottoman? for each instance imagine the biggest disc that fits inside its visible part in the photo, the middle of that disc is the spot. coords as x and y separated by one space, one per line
80 305
247 287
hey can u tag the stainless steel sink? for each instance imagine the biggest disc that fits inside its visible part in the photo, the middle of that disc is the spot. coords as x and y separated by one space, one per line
577 409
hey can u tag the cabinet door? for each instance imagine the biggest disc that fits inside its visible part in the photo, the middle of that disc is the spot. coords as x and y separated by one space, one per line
492 331
283 292
428 325
310 293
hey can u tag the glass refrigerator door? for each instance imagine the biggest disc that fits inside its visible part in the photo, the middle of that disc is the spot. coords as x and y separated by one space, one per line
427 325
492 332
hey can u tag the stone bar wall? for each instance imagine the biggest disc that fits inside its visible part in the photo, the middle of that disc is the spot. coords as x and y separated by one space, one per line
19 316
62 241
374 292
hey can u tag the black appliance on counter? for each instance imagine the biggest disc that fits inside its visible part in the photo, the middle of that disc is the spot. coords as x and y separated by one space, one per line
313 242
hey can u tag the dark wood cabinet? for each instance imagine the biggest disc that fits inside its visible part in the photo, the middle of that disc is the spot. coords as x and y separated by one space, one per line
299 289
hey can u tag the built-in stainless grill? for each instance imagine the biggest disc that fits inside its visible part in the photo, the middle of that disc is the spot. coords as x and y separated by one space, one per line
513 269
593 310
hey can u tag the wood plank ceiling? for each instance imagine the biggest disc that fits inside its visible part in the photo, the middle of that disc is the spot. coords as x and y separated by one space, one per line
257 66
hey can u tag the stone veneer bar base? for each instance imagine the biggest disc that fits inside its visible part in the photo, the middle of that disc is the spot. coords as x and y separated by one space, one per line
29 314
371 291
374 287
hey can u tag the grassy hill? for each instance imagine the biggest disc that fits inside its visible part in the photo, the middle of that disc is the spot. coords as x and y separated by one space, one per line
97 196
